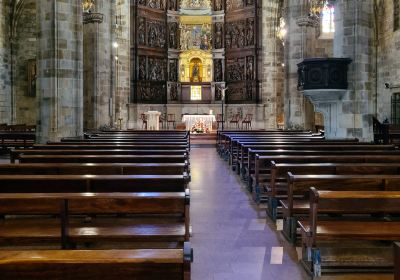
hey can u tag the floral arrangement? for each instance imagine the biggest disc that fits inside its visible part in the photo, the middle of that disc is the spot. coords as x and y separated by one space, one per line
199 127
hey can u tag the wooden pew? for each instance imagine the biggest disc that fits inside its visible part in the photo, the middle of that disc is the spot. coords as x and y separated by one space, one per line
367 223
16 139
103 159
245 147
139 264
275 183
397 261
124 140
296 204
16 153
161 219
89 146
315 149
92 183
263 163
229 145
240 148
94 169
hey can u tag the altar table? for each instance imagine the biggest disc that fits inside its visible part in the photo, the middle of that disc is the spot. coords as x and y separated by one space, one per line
153 120
192 121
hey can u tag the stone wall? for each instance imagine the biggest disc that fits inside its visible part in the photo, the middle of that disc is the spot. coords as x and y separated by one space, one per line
5 94
25 50
388 60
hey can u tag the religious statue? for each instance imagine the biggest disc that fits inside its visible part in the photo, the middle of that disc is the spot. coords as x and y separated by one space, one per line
218 35
250 68
142 68
172 35
195 72
141 31
172 5
250 32
218 5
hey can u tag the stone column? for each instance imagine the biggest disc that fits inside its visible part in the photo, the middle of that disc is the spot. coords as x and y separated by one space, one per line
97 61
59 69
299 44
272 60
5 90
353 39
122 79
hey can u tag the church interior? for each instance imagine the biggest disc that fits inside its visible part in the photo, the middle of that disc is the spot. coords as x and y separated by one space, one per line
200 139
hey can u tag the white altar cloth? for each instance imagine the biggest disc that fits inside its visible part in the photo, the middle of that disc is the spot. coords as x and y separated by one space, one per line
192 120
153 120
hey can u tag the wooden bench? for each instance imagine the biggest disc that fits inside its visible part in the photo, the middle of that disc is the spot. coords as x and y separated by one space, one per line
16 139
94 169
397 261
275 184
263 163
367 222
16 153
158 218
124 140
92 183
317 150
103 158
253 179
296 204
89 146
239 149
138 264
243 153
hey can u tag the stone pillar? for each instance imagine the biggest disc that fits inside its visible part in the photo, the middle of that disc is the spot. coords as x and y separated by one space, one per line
122 72
272 60
59 69
5 90
97 59
299 44
353 39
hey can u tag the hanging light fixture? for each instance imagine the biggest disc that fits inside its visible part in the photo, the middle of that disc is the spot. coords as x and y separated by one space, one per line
316 7
87 5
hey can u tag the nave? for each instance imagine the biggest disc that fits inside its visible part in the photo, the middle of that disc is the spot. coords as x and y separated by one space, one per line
232 237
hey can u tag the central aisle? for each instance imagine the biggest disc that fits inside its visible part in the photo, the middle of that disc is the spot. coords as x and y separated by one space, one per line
231 238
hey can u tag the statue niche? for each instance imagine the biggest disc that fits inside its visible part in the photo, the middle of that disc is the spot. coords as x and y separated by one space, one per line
196 70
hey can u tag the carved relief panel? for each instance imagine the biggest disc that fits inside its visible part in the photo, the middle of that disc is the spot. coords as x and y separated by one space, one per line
149 50
241 45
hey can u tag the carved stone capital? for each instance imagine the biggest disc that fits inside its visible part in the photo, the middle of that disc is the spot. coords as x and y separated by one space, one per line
92 18
308 21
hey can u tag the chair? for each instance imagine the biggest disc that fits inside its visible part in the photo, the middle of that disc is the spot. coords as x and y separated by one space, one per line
220 120
171 119
162 121
235 120
143 117
246 123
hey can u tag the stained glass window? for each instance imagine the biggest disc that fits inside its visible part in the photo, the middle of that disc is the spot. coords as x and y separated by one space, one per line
195 93
328 19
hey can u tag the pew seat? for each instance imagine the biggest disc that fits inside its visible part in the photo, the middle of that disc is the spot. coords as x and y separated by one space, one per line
138 264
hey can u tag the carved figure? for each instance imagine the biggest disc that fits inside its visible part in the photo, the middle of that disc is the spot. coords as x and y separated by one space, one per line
142 31
218 35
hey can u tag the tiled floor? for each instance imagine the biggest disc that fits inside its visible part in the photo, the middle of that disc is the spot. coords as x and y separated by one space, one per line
232 239
231 236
